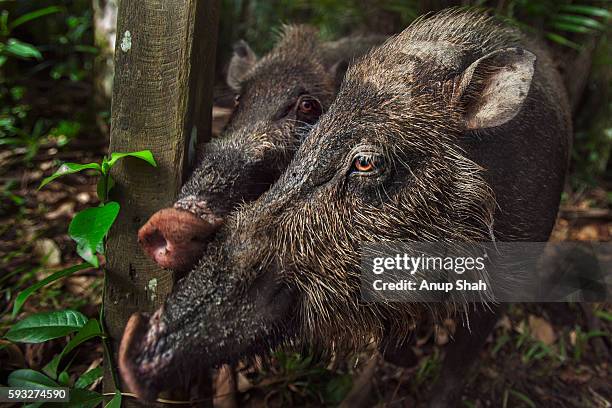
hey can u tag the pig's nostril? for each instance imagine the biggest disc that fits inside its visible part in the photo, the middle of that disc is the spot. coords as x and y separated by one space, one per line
156 240
174 239
155 243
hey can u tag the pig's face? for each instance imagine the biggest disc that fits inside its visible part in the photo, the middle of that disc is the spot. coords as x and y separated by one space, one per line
277 104
384 164
278 99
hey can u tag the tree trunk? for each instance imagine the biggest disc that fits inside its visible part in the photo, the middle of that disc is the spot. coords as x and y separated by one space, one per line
162 97
105 33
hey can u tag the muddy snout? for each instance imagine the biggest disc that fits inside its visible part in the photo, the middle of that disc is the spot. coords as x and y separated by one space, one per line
175 238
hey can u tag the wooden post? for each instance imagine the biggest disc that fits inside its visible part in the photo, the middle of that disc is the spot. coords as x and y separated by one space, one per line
162 97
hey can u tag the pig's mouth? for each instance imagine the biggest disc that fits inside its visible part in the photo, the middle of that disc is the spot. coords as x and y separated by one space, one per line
154 356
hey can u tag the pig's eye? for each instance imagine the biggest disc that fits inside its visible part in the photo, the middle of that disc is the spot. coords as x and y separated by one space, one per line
363 163
236 101
367 164
308 109
306 106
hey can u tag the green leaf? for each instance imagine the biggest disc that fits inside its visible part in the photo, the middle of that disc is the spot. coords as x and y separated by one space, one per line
145 155
89 49
89 331
21 49
563 41
579 20
587 10
69 168
523 398
573 28
596 333
89 227
105 166
33 15
88 378
26 378
64 379
51 368
338 388
105 185
115 402
4 15
41 327
10 141
602 314
23 296
83 399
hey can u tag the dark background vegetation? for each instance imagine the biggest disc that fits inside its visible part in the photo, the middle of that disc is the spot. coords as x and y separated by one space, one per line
52 111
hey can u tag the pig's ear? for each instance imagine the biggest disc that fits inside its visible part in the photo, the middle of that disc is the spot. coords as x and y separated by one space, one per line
242 61
337 72
492 90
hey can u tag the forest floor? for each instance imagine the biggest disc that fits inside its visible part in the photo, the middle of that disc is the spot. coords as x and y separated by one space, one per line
556 354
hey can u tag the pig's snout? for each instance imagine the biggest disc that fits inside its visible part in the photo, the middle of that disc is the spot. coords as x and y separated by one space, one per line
140 361
175 239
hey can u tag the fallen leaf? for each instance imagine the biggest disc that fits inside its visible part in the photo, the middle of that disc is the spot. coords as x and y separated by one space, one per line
441 336
573 337
64 210
521 327
46 165
505 323
489 372
32 176
569 376
588 233
80 285
541 330
50 197
47 252
83 197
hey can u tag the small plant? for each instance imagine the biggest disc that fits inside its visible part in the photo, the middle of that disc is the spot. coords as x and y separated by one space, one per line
298 380
8 199
88 229
580 340
576 18
12 47
604 315
519 396
556 18
13 111
68 54
429 368
531 349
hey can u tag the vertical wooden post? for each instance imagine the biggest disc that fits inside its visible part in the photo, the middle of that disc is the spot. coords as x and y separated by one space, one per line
162 97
